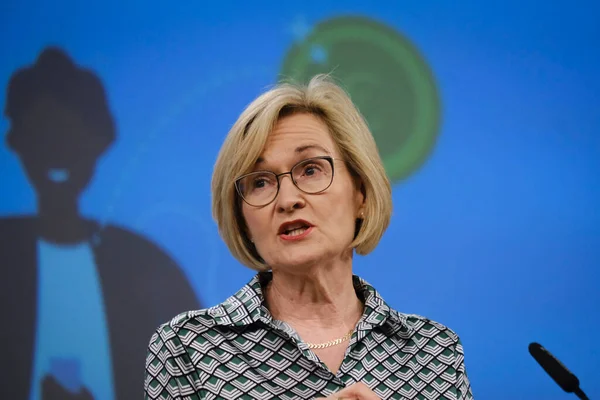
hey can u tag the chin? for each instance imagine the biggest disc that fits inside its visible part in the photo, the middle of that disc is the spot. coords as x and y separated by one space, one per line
299 257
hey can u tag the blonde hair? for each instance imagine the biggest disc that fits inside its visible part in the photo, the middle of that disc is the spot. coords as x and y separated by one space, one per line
246 141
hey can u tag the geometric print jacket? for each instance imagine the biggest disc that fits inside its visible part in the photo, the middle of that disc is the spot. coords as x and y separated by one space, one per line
236 350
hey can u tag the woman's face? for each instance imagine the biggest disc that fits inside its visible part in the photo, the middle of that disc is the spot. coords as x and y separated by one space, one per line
325 221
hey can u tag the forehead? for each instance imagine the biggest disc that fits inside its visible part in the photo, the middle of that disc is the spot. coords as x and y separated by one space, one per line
295 137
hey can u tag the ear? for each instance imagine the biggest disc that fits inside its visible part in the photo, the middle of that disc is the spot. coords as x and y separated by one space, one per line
361 198
361 201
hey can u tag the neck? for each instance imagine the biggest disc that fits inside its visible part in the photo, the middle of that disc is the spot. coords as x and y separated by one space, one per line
62 223
320 298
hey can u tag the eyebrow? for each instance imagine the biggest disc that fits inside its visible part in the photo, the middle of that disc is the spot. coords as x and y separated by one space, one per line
300 150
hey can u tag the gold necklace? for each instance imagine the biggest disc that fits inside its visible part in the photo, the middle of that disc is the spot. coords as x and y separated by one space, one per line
330 343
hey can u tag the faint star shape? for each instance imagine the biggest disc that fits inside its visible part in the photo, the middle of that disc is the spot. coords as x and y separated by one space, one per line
300 29
318 54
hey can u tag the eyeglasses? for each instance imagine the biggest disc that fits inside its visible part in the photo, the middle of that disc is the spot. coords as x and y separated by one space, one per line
312 176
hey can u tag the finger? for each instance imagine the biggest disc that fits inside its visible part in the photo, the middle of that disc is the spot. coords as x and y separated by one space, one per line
338 397
358 391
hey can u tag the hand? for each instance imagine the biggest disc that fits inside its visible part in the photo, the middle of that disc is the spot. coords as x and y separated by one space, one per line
52 390
358 391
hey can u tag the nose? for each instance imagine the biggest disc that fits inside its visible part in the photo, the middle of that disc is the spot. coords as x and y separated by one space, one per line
290 197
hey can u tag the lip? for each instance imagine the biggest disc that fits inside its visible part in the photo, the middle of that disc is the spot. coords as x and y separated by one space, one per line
285 225
283 236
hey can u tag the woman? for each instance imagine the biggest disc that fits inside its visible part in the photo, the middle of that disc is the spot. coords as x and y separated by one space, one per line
298 187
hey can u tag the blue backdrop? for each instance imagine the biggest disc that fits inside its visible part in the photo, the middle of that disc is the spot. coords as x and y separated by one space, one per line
495 234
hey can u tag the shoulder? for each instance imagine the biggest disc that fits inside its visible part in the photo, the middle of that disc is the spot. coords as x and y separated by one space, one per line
11 226
123 246
423 328
234 314
16 220
119 236
426 336
193 324
175 339
407 324
428 326
196 320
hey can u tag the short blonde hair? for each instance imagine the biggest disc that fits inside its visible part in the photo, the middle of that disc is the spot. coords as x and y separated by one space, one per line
246 141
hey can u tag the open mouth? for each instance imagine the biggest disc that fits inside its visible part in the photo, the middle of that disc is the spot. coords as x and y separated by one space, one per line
296 232
58 175
294 228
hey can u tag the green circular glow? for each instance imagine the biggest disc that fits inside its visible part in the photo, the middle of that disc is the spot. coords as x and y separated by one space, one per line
388 80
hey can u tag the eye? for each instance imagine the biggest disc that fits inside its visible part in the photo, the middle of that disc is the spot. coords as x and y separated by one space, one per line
311 169
261 182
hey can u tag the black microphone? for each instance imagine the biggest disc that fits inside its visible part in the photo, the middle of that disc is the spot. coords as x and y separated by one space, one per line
561 375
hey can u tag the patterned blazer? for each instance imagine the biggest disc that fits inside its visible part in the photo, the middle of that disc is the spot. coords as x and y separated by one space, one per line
236 350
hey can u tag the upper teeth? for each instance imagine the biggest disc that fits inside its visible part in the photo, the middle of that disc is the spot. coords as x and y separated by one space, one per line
294 227
296 231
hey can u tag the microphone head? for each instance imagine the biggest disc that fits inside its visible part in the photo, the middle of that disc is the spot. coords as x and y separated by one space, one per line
561 375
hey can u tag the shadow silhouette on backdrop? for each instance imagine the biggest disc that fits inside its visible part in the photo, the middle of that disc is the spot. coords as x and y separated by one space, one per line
79 300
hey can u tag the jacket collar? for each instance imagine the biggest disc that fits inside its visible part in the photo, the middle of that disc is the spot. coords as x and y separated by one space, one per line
247 307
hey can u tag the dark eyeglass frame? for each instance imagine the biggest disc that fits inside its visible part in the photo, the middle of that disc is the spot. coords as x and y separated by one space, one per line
277 176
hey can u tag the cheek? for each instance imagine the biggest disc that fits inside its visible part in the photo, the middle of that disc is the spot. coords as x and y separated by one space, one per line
256 221
339 219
